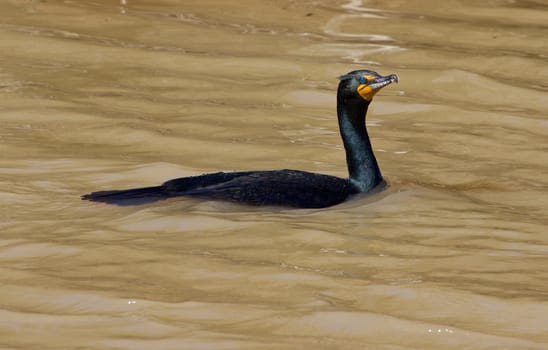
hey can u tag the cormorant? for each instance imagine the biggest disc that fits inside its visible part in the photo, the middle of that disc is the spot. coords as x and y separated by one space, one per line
289 188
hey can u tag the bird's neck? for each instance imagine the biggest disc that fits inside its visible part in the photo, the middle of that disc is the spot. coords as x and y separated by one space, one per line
363 169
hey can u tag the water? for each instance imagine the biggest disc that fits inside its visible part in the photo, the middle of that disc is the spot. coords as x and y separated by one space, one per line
101 95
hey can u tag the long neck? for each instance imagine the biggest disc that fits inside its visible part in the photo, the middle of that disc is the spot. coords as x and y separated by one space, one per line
363 169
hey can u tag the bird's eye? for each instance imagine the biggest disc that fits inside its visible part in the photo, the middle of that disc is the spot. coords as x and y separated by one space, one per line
363 80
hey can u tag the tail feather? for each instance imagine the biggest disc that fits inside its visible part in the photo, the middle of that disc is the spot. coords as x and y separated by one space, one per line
131 196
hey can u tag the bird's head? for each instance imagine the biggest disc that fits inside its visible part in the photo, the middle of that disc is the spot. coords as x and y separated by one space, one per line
363 84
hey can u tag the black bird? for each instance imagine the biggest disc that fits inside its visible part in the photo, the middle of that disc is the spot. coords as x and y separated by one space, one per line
289 188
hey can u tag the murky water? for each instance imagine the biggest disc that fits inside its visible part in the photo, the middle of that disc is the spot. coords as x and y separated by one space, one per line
102 94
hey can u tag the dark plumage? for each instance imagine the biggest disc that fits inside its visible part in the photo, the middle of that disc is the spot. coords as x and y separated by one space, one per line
290 188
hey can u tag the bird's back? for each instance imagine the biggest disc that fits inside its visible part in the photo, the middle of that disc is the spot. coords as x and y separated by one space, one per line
291 188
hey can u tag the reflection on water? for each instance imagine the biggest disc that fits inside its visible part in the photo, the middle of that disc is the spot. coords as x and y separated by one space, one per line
99 95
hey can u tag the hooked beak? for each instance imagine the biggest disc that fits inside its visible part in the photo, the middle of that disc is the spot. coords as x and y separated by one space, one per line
381 82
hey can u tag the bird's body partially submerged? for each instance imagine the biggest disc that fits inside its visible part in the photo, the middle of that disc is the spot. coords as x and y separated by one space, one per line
289 188
262 188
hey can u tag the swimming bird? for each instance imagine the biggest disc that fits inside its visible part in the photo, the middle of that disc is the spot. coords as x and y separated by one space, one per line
287 188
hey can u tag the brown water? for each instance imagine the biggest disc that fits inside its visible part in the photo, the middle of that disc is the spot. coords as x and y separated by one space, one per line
102 94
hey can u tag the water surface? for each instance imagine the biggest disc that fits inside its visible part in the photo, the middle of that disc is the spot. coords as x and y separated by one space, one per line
100 95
